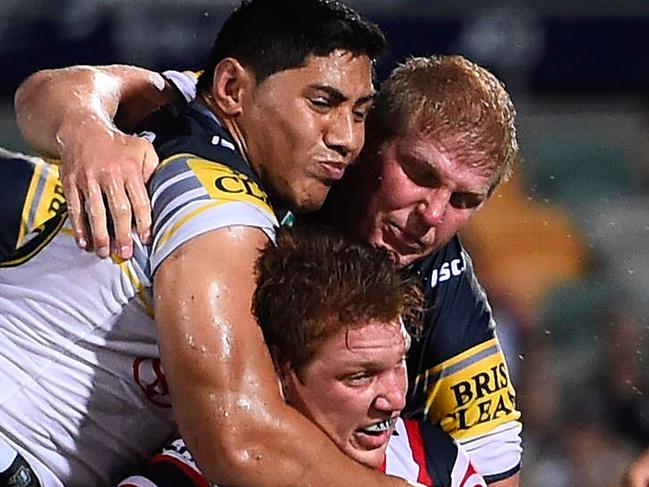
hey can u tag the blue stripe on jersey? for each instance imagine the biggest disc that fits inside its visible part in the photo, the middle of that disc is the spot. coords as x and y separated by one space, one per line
440 453
170 171
431 378
167 195
178 204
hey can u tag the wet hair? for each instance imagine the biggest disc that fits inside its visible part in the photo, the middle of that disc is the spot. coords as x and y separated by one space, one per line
315 282
268 36
455 101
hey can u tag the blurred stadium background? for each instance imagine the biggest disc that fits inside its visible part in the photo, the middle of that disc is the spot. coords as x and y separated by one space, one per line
562 249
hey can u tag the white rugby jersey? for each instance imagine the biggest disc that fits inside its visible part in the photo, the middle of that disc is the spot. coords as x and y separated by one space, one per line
76 336
82 393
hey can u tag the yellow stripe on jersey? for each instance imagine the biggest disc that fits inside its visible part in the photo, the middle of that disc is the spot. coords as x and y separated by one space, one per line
29 201
44 200
226 184
471 394
174 228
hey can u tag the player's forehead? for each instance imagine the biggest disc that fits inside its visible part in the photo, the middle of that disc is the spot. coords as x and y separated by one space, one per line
374 344
448 156
341 71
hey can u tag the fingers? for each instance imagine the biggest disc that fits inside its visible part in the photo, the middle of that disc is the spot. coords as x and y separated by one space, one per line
150 162
109 180
120 211
137 193
75 213
96 213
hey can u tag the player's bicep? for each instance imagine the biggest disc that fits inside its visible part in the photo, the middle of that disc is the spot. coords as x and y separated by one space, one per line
213 353
203 296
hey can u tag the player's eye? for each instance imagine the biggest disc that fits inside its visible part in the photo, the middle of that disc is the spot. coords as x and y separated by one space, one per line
320 103
357 379
464 201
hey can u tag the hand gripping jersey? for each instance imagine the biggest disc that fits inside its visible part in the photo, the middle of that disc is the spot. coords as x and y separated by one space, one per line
418 452
82 393
457 371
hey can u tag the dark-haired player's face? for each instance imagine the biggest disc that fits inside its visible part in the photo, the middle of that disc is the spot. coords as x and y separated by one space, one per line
426 193
304 126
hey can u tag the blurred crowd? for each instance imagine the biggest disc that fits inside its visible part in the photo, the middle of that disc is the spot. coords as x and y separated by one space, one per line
561 250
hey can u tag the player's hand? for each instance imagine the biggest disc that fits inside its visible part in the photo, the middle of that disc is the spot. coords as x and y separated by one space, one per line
109 168
638 473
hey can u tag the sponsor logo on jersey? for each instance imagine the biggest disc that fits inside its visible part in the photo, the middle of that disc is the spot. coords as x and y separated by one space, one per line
471 394
224 183
447 270
481 398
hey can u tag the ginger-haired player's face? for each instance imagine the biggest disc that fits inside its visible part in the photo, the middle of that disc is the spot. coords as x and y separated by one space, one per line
354 387
304 126
426 192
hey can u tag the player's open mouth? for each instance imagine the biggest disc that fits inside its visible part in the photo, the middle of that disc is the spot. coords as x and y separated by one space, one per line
378 429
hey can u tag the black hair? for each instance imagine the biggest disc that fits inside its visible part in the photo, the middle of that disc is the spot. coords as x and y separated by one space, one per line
268 36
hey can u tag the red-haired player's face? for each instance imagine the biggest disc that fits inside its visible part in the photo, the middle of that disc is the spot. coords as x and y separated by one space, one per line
354 388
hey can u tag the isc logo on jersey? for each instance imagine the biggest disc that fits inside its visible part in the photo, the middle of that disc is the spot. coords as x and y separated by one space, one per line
447 270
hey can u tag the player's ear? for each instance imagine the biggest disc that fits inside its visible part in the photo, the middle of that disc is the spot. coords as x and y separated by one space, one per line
231 81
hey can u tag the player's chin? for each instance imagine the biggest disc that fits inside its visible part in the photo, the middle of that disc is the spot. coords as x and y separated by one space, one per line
310 197
369 450
370 458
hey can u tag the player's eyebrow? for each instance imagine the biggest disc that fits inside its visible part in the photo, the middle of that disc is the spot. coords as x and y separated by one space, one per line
338 97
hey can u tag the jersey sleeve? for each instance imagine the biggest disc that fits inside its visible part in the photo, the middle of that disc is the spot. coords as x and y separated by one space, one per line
184 82
191 196
32 207
463 383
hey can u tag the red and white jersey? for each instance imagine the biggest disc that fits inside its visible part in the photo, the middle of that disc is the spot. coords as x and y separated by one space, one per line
418 452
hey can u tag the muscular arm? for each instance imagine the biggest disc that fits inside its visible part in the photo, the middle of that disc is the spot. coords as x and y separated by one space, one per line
225 393
68 114
52 105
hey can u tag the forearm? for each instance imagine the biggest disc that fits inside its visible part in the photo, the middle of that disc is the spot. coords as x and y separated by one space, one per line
271 445
52 106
